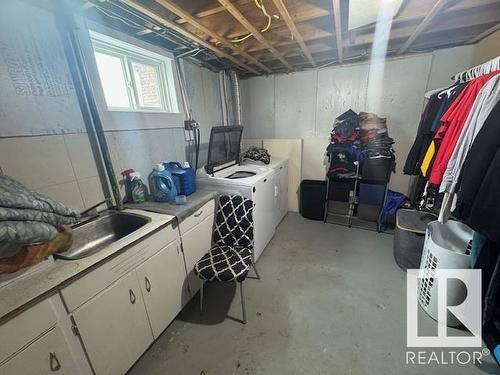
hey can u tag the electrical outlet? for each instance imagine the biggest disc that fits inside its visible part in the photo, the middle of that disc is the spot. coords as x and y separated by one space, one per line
190 125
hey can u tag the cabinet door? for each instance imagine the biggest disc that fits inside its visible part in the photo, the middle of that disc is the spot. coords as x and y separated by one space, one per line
283 198
114 327
162 279
263 213
196 243
277 199
47 355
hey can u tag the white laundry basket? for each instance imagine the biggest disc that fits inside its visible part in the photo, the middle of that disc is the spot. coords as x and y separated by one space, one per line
447 246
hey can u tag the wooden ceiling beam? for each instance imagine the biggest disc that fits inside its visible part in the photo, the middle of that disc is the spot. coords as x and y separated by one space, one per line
251 29
309 35
338 29
421 27
301 20
485 33
458 25
168 4
293 29
211 11
171 25
401 27
299 16
446 29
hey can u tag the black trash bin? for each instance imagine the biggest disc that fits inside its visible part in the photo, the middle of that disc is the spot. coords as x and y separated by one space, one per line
312 199
409 237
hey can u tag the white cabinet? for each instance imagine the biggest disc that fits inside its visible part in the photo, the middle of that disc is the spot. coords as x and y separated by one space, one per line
114 327
26 327
116 310
162 279
47 355
264 219
281 193
196 242
89 285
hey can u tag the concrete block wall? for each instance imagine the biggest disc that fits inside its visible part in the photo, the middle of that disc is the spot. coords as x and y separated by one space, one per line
304 104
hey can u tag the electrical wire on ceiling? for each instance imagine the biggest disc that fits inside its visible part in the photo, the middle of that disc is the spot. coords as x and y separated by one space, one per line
153 27
108 14
259 4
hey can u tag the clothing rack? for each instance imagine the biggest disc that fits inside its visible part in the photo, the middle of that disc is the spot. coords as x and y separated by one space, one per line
477 71
465 76
469 74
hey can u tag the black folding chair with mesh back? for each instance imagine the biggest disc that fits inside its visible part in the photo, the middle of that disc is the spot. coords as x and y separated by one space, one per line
232 255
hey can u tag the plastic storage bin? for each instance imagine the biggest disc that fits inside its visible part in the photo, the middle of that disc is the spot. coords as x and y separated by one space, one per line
377 170
409 237
447 246
312 199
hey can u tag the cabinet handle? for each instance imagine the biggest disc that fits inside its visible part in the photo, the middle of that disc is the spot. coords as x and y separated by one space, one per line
55 365
148 284
198 214
132 296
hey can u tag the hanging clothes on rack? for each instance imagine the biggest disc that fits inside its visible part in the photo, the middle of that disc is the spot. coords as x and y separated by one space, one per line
452 124
486 100
423 137
437 105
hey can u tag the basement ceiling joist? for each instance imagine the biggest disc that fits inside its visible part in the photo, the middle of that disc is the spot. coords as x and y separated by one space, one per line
303 33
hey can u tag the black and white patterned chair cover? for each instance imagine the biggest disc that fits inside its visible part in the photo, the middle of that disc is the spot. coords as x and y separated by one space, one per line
231 257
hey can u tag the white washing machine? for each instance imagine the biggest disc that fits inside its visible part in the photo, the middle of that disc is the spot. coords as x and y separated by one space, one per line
251 180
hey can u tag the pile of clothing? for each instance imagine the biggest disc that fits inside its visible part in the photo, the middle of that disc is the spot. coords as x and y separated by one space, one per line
32 226
374 137
257 154
345 128
344 151
356 138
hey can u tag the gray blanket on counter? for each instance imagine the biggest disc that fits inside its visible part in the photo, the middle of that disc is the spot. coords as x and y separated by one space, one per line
194 202
28 217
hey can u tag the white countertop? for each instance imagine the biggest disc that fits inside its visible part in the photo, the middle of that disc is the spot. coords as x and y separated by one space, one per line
24 286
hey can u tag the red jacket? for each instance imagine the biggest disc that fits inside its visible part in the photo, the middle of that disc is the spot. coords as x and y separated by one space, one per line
452 123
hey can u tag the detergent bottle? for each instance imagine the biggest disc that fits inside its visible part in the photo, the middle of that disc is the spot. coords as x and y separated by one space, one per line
184 177
128 184
162 185
138 190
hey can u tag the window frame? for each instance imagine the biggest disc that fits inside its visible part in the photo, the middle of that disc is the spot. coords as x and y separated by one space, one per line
129 54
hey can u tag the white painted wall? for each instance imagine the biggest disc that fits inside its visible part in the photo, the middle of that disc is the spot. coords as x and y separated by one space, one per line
62 166
304 104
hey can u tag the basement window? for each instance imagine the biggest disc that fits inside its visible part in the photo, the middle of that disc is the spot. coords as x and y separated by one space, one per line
133 78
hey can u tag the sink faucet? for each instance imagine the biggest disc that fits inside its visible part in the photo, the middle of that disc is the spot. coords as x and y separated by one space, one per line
92 211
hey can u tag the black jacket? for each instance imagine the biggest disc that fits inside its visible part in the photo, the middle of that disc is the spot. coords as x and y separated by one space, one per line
479 183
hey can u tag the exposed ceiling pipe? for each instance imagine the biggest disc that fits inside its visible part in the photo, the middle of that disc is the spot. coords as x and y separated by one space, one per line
223 97
235 92
182 88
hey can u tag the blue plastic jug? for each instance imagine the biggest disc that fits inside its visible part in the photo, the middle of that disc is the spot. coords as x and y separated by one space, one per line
162 185
184 178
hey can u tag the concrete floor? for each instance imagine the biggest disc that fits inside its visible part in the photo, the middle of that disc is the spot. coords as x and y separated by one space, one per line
331 301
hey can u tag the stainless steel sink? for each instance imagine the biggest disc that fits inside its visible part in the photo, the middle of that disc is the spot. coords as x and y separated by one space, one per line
92 236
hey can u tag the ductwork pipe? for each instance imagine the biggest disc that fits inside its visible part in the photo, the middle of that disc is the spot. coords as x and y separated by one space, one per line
182 88
223 97
235 91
